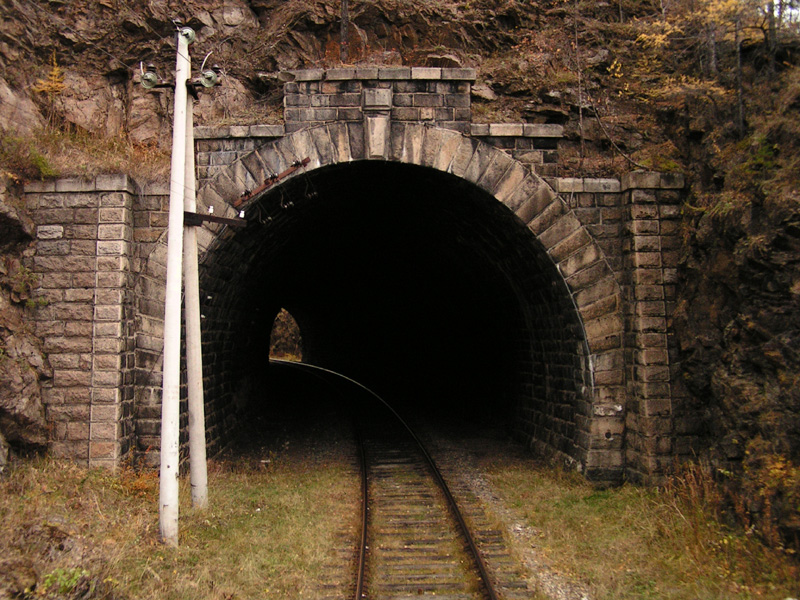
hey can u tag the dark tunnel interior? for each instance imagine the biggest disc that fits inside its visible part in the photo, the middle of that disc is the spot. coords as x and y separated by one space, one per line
413 282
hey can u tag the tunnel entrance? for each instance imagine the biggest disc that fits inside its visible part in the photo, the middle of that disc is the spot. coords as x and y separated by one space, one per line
416 283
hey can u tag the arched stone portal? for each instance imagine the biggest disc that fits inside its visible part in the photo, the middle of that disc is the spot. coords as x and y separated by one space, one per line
420 261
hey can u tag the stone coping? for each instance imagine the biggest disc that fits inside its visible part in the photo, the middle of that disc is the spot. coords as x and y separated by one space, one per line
101 183
543 130
538 130
385 73
635 180
653 180
206 132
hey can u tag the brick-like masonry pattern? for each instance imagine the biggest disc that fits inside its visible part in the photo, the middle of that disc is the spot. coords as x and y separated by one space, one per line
617 406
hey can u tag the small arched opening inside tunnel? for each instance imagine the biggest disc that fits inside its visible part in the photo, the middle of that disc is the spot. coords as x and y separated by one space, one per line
417 284
285 341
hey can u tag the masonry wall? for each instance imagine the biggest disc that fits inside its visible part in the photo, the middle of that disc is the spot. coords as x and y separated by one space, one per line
102 268
84 248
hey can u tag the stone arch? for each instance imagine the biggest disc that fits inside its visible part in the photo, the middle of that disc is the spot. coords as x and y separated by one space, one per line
580 269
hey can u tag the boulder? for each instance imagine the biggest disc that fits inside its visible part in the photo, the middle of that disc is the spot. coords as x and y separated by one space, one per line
16 227
19 116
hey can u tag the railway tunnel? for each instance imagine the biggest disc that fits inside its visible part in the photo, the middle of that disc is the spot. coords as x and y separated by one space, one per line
416 283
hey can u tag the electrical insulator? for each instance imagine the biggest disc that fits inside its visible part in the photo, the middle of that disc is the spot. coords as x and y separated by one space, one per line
150 77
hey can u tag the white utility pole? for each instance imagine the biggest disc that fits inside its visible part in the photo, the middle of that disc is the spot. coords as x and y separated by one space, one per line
198 469
170 395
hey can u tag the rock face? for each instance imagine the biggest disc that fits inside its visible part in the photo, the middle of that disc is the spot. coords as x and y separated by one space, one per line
739 330
22 362
99 45
738 326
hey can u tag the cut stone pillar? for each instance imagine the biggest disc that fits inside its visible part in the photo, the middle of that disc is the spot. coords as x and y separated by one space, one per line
377 107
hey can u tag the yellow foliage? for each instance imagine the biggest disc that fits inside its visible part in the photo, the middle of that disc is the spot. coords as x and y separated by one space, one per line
657 34
53 84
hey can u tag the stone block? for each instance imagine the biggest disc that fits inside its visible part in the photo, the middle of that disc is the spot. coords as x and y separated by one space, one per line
74 185
377 136
113 215
568 185
71 378
111 312
114 199
643 197
646 259
543 130
459 74
113 248
444 157
428 100
50 232
33 187
506 129
339 74
457 100
53 248
299 100
366 72
560 229
376 98
431 145
308 74
405 114
108 396
646 243
426 73
103 450
479 129
356 138
394 73
510 182
104 431
644 211
578 261
114 231
108 329
267 131
443 114
601 185
547 217
238 131
641 180
674 181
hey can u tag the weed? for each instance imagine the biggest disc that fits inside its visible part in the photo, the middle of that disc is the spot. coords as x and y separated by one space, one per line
630 543
63 580
20 282
23 160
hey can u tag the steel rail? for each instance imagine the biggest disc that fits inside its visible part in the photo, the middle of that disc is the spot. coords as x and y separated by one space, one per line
451 501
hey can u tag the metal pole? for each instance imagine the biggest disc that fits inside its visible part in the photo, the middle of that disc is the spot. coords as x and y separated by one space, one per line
170 394
194 354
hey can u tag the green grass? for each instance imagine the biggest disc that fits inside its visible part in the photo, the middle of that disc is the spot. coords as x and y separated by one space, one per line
637 543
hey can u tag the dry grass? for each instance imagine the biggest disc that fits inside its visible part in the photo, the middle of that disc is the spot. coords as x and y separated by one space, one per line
83 154
270 532
634 543
63 153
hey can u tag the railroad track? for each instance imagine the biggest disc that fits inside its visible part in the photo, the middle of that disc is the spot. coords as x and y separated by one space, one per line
417 537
